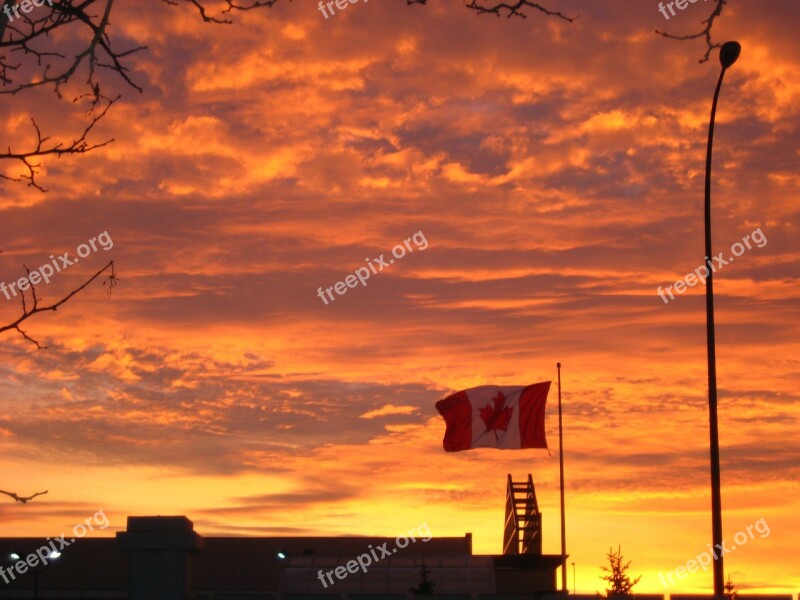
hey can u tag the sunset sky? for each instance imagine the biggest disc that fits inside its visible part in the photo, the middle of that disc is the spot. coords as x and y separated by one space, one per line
554 171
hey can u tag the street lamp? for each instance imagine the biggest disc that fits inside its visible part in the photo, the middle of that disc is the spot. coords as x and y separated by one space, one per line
728 54
40 569
573 580
37 569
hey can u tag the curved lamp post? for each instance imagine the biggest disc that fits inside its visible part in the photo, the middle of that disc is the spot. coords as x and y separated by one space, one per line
728 54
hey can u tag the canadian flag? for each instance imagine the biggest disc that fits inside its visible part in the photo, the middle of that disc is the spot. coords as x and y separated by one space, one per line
490 416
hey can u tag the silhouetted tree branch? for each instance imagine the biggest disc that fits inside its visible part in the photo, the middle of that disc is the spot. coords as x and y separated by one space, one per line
704 33
35 308
510 9
44 148
231 6
27 61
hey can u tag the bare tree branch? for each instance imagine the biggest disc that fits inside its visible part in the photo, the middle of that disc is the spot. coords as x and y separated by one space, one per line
27 62
704 33
232 5
512 9
27 313
29 33
23 499
42 148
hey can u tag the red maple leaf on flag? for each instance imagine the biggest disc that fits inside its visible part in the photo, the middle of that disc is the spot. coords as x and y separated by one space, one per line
497 416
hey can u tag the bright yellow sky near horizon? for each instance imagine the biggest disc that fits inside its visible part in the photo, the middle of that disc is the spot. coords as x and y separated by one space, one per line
555 172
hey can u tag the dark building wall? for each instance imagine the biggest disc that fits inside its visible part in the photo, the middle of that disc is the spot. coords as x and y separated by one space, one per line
171 560
86 564
524 573
252 564
159 551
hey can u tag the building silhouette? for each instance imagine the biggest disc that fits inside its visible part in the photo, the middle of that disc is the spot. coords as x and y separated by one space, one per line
163 558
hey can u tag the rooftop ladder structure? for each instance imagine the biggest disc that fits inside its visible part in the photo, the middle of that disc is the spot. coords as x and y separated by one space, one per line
523 528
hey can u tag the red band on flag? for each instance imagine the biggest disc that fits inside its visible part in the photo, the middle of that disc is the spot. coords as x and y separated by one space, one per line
457 413
531 416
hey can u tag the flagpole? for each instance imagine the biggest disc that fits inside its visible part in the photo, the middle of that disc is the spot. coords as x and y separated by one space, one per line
561 469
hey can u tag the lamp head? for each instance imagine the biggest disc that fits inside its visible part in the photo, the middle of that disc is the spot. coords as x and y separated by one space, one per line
728 53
